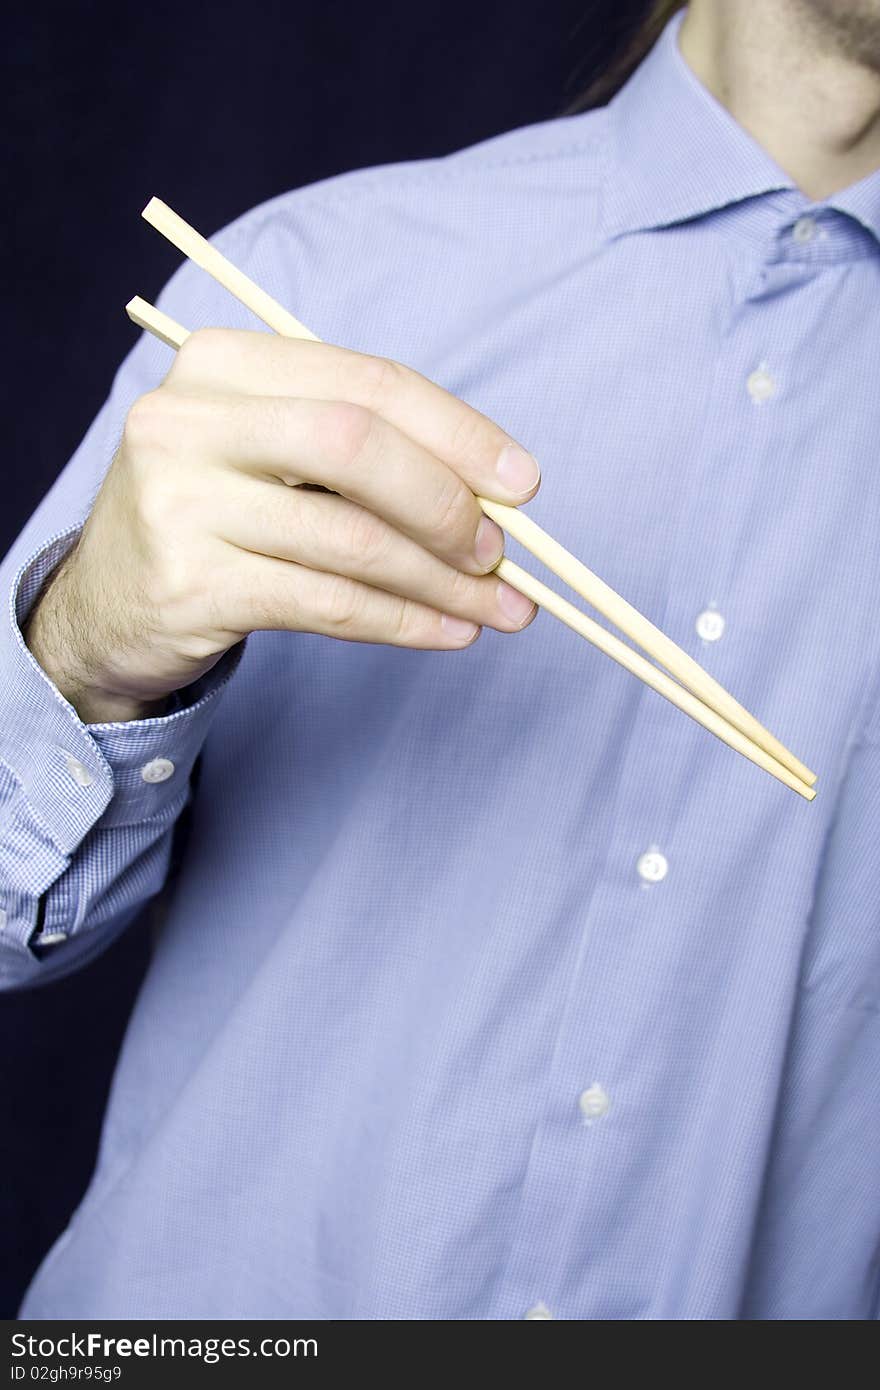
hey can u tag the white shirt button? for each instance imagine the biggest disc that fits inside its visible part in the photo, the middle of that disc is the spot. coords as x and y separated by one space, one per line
50 938
158 770
760 384
594 1102
78 771
652 866
710 625
540 1311
804 229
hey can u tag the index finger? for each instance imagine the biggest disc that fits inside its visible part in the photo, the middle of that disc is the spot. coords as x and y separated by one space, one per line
262 364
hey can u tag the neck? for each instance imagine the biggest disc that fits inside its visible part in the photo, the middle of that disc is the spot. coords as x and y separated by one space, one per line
801 76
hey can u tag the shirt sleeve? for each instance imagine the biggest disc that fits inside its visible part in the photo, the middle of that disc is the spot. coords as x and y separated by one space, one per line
87 811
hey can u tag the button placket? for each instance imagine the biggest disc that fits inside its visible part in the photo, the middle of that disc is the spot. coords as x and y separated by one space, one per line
702 554
724 486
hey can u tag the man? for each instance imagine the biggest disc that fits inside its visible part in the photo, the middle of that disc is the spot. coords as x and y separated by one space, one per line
490 987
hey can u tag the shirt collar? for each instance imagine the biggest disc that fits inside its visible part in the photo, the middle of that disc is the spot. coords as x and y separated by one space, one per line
861 200
678 153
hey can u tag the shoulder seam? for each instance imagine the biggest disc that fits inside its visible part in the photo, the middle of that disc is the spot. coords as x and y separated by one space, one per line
444 167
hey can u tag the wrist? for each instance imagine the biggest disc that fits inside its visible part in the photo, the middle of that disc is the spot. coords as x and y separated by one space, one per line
48 637
103 707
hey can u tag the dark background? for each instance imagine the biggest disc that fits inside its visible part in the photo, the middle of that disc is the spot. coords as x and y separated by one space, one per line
213 108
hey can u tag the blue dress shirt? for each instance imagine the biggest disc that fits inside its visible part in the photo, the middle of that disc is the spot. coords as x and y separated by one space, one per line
491 986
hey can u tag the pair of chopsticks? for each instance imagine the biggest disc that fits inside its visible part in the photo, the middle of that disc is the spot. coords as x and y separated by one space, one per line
693 691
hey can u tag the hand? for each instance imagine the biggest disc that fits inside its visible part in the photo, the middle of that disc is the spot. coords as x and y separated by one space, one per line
200 533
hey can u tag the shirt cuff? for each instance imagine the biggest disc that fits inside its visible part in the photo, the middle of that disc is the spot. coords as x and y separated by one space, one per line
74 774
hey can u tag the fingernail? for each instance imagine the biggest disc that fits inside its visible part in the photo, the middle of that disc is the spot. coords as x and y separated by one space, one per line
513 604
459 629
489 543
517 470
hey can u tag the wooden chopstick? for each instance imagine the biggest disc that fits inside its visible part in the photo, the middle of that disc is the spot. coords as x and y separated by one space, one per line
710 695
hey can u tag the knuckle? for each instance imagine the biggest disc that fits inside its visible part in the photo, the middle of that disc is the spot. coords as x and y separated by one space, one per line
468 434
368 537
453 510
147 419
464 595
380 379
177 581
259 609
403 624
339 604
155 499
198 351
257 422
346 431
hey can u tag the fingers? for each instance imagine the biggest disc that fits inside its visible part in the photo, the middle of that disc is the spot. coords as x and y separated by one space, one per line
346 448
274 594
337 536
253 363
